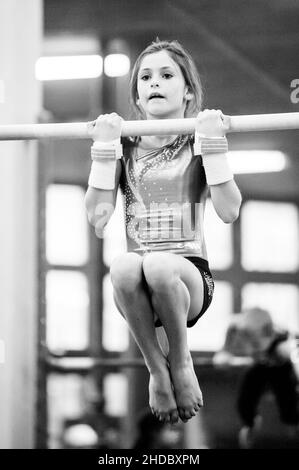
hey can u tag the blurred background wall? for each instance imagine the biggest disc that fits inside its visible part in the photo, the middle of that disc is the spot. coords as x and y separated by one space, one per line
20 101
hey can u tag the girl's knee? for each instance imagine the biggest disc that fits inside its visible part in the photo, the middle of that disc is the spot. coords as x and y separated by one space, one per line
159 271
126 272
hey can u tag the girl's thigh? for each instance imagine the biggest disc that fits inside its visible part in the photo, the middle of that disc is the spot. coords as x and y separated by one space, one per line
126 271
171 264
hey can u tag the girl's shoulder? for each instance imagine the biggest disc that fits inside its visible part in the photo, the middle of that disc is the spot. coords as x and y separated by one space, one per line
129 145
129 142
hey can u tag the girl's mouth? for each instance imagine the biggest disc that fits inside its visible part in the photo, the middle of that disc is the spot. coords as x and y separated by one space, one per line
155 95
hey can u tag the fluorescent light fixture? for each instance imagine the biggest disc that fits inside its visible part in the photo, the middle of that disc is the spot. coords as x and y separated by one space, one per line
116 65
257 161
68 67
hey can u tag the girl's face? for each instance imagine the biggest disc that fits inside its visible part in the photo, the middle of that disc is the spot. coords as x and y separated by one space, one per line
162 91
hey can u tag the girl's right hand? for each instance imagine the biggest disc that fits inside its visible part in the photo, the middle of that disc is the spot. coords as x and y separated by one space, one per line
105 128
211 123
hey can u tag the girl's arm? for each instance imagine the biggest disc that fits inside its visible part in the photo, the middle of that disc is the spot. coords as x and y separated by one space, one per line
100 204
100 198
225 194
226 199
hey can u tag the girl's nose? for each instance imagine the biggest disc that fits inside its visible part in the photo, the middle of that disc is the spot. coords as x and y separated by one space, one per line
154 82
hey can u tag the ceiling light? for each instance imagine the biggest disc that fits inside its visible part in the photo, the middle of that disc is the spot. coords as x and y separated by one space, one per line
116 65
68 67
257 161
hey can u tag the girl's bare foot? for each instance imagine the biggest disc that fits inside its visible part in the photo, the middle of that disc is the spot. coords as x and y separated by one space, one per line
186 389
161 397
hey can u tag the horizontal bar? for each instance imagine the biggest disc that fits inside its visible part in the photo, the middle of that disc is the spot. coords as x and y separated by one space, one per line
79 130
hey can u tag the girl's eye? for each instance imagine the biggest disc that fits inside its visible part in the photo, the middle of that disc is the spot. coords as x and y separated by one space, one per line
144 77
167 75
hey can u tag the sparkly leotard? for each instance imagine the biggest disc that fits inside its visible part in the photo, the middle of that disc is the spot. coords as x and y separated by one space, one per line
164 196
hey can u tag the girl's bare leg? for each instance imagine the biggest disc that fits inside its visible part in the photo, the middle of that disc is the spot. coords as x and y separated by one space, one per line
177 295
133 302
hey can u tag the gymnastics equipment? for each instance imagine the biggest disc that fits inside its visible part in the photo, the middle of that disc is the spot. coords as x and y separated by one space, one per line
81 130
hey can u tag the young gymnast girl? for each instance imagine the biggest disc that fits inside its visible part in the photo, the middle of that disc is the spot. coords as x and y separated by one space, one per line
164 279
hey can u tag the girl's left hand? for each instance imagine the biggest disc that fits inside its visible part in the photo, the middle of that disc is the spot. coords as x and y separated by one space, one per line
211 123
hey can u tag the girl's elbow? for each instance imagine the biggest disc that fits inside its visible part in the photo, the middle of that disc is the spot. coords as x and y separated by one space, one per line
89 208
231 216
98 212
232 213
99 223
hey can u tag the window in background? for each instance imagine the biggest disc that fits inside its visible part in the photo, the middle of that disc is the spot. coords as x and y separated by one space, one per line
66 225
115 234
270 235
209 332
281 300
116 394
66 401
67 300
115 330
69 67
219 239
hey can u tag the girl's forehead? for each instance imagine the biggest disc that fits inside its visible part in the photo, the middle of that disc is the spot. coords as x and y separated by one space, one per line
158 60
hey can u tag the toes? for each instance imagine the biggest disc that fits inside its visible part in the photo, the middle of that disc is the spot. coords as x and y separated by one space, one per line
182 415
189 414
192 413
171 417
197 407
185 415
174 417
156 413
200 400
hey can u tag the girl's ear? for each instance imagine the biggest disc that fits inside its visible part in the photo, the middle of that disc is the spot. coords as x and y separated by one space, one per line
188 96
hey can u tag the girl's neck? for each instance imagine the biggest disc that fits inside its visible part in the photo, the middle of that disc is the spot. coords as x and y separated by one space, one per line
156 141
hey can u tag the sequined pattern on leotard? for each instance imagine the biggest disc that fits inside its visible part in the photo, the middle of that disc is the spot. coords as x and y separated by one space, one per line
165 191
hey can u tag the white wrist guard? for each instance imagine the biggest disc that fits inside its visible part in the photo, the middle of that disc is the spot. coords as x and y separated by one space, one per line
102 150
214 158
103 168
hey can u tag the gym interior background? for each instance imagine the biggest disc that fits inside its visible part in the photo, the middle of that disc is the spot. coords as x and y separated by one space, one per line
64 382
